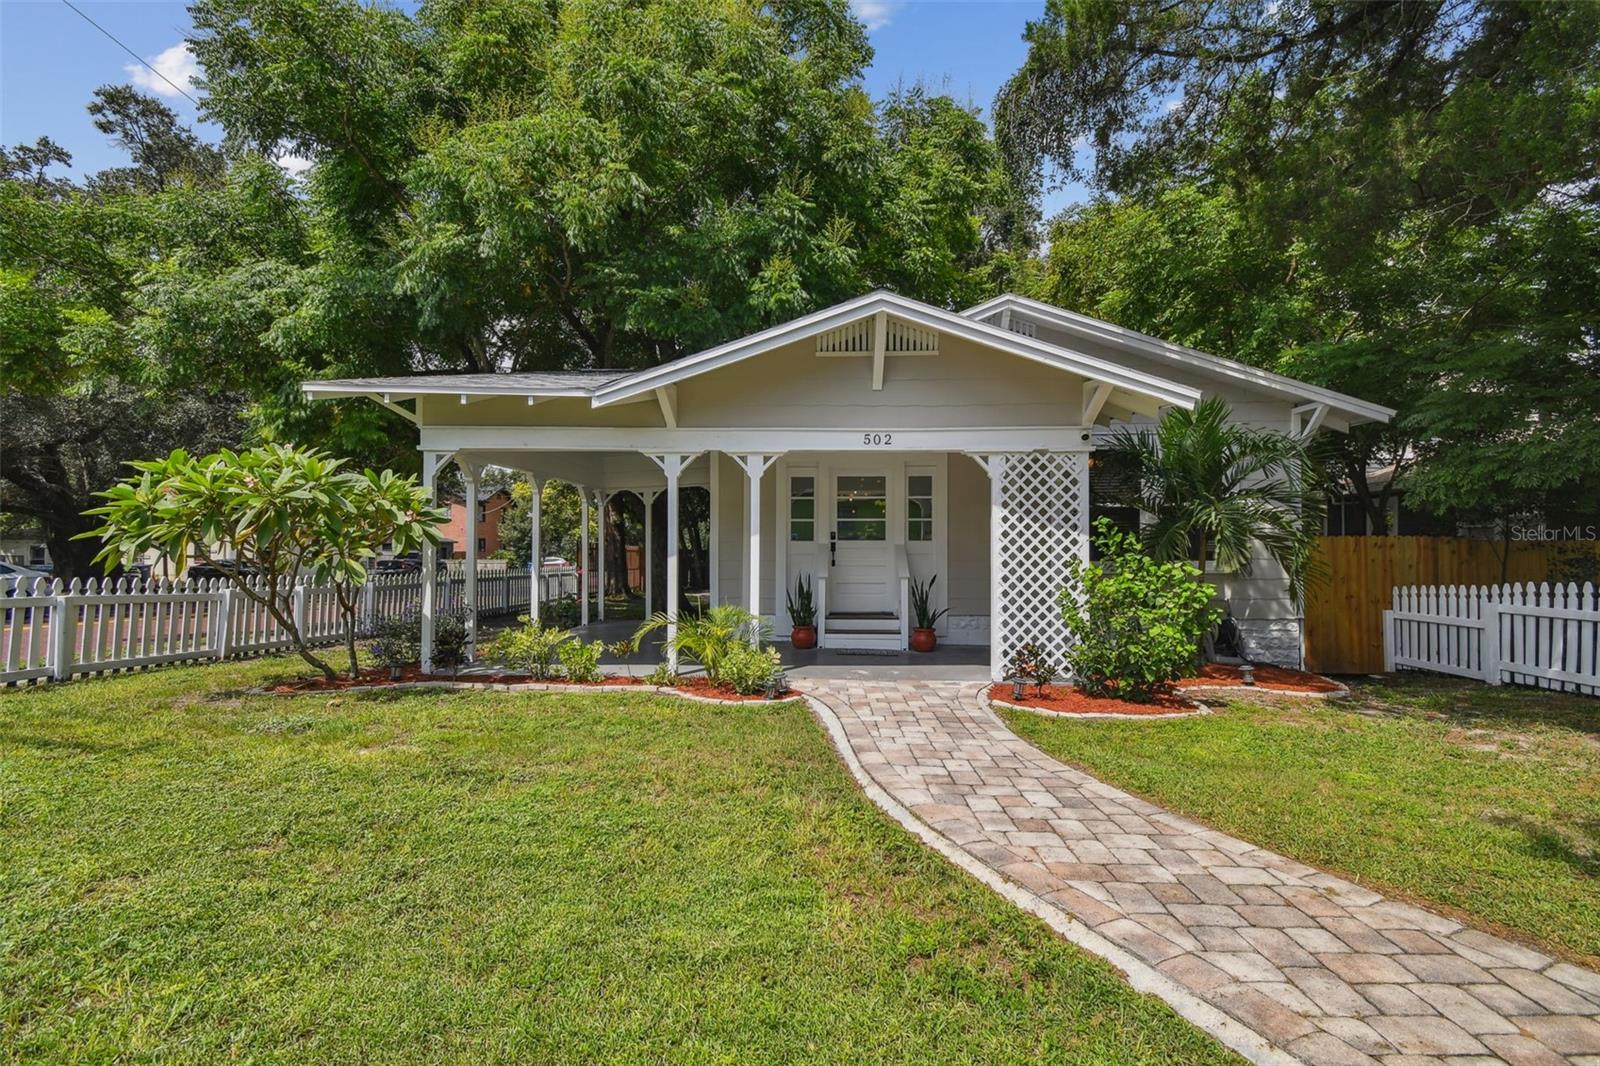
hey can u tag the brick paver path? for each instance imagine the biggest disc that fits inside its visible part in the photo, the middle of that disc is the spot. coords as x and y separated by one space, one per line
1322 968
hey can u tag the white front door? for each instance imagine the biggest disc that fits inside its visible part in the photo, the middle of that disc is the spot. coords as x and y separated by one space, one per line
861 564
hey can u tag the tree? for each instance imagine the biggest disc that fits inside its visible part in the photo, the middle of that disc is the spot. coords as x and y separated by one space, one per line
1216 488
281 513
1395 200
501 185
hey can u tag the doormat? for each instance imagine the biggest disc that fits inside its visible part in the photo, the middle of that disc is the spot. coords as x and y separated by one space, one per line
875 652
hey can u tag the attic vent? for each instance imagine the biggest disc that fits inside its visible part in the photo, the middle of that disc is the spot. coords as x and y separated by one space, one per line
1023 326
855 338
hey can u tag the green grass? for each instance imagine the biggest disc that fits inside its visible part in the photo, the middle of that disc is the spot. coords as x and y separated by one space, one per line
191 874
1482 799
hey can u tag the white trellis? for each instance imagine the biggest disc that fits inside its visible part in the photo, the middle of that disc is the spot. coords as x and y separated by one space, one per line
1039 506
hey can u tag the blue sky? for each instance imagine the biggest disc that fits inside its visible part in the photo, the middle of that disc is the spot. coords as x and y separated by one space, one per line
51 60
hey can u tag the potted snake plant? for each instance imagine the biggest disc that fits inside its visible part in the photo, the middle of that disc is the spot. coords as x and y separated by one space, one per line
923 637
802 615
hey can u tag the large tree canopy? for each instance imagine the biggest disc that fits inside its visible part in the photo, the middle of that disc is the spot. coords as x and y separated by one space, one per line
1398 200
504 185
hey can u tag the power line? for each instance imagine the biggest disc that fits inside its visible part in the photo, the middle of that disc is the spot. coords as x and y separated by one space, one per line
132 53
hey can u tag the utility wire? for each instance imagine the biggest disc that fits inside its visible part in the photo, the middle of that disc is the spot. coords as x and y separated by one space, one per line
132 53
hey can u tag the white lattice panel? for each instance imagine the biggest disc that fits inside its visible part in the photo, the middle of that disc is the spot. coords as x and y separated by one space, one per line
1044 522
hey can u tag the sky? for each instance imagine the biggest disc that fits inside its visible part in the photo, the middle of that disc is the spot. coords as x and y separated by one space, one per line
52 59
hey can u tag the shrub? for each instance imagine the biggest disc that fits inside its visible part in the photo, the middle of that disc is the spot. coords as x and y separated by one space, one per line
449 641
1137 624
708 638
397 641
529 646
582 661
662 675
563 613
749 669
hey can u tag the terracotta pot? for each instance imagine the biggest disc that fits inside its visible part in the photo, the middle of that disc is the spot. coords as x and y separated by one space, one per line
924 639
803 638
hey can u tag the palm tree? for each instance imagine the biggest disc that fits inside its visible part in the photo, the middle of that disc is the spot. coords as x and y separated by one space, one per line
1218 487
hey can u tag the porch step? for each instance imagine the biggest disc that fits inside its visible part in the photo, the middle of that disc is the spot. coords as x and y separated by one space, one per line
859 640
862 622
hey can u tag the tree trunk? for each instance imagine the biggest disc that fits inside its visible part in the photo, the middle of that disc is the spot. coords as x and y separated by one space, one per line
71 558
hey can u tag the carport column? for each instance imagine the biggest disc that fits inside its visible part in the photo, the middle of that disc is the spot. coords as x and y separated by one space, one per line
432 462
583 556
754 466
537 556
995 465
672 464
649 498
469 584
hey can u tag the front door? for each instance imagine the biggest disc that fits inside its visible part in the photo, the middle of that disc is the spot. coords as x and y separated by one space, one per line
860 578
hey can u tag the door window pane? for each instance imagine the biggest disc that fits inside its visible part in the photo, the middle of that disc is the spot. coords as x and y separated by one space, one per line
862 507
802 508
919 507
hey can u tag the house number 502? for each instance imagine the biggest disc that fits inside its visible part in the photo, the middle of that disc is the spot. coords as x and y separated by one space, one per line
877 440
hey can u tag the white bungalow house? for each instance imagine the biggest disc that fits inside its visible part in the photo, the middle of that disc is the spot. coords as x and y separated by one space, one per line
870 443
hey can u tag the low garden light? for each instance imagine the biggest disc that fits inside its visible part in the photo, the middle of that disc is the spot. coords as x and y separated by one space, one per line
777 685
1019 687
1247 674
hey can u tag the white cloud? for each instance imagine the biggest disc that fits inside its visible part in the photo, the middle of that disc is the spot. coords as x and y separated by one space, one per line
176 63
876 13
293 165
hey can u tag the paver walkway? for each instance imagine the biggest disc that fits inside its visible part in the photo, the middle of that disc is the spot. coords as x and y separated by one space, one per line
1313 965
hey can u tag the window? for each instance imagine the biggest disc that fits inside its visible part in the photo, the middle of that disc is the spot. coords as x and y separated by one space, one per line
483 510
802 508
1346 517
862 507
482 544
919 507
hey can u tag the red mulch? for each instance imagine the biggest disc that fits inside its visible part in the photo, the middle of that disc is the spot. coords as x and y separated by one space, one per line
1213 675
1064 699
699 686
409 674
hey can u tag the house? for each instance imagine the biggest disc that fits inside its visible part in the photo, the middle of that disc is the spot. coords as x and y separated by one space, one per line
491 504
871 443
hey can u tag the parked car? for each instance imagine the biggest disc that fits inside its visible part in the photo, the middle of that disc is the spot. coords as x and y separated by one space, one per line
220 568
553 562
21 573
395 566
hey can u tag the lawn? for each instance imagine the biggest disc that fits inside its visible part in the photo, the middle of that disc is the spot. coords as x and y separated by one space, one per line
190 873
1485 800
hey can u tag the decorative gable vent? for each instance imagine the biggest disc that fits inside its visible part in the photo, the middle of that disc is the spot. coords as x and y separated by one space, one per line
855 338
1023 326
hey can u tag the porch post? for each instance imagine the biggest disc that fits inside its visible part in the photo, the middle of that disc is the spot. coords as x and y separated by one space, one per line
754 465
431 463
534 559
996 467
469 583
714 491
649 498
583 557
672 464
600 499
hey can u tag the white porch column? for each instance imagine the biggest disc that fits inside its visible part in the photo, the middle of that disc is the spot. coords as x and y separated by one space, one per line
649 498
600 500
714 547
995 465
469 583
583 556
431 464
672 464
754 466
533 539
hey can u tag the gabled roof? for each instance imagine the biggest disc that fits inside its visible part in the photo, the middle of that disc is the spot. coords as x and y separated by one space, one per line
536 383
1356 409
643 381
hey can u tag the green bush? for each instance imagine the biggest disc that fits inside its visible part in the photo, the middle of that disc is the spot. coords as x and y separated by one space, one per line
397 640
1138 623
529 646
449 641
749 669
563 613
708 638
582 661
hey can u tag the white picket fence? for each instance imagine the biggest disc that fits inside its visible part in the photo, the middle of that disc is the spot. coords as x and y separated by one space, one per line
126 623
1518 634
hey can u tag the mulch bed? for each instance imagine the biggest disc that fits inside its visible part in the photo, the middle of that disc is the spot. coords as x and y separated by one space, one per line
1268 678
379 678
1064 699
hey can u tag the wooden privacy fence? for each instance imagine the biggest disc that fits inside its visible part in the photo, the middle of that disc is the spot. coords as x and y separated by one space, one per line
48 630
1344 610
1528 635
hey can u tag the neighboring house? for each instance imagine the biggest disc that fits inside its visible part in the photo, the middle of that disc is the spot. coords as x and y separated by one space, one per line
25 548
874 442
492 504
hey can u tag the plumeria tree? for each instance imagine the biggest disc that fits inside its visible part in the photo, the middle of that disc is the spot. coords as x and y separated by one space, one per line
279 513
